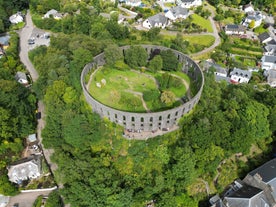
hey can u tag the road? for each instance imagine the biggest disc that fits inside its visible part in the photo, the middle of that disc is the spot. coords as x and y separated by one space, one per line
27 199
25 34
215 34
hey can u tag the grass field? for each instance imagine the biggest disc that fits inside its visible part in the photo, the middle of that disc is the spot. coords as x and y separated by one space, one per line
124 89
204 23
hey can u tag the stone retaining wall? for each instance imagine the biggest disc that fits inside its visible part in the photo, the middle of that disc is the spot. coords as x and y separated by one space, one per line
147 121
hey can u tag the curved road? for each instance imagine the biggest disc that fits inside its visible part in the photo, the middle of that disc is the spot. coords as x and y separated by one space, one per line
27 199
25 34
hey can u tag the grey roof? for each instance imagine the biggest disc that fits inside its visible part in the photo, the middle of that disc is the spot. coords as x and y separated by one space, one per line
272 75
32 138
179 10
242 73
269 59
246 191
20 75
4 40
234 27
186 1
264 36
158 18
270 47
267 171
24 169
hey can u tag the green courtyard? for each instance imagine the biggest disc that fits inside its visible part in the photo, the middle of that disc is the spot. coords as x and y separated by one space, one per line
136 91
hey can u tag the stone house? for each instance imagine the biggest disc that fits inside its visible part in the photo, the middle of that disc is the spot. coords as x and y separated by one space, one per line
271 78
21 77
25 169
158 20
236 29
240 76
268 62
189 3
257 189
177 12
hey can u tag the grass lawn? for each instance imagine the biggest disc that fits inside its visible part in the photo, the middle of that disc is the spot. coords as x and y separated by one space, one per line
124 88
229 20
246 61
204 23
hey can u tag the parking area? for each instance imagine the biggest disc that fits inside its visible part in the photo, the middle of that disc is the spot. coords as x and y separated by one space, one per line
37 38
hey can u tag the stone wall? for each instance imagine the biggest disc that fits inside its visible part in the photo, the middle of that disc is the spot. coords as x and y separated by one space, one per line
147 121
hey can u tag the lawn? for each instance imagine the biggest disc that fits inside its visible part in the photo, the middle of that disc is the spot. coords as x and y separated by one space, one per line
123 89
204 23
246 61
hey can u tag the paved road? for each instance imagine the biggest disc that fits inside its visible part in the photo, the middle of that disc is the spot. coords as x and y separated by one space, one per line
215 34
26 199
25 34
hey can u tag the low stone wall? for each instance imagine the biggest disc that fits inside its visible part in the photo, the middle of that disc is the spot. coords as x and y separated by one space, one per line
147 121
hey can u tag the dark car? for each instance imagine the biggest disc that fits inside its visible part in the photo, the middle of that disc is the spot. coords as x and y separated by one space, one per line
38 115
31 41
16 205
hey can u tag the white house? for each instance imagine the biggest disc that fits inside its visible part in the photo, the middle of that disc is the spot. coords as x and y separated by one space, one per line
257 17
133 2
236 29
270 50
25 169
4 200
240 76
189 3
56 15
271 78
158 20
21 77
248 8
268 62
168 1
16 18
177 12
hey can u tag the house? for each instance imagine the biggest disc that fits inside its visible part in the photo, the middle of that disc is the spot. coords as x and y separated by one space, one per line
21 77
257 189
168 1
4 200
240 76
25 169
4 41
247 8
158 20
237 29
133 2
16 18
54 13
268 62
31 138
264 37
270 50
177 12
257 17
271 78
189 3
219 72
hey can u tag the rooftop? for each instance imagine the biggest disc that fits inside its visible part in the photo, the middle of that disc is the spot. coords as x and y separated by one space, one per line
267 171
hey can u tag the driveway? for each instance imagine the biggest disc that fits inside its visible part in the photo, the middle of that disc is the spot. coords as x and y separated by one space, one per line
26 199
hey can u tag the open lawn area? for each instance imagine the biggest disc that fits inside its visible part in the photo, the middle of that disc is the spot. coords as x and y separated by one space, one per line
124 89
204 23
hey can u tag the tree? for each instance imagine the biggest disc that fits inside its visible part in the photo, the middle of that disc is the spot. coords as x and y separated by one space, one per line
136 56
153 33
170 61
113 53
168 97
251 24
156 63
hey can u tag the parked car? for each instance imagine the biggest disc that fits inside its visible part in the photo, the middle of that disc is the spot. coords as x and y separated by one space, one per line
31 41
16 205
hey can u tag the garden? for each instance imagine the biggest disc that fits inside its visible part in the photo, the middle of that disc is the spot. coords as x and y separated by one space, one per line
140 88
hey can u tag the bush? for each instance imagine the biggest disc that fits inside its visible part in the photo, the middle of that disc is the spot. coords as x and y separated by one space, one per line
151 95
